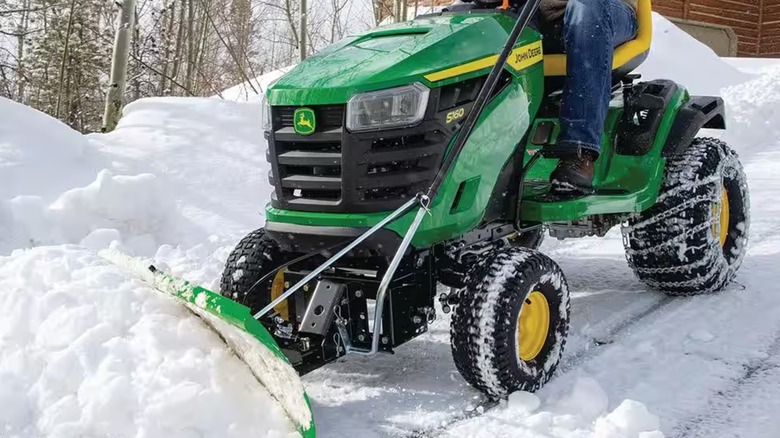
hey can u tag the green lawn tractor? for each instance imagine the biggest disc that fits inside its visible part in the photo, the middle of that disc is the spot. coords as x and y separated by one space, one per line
415 158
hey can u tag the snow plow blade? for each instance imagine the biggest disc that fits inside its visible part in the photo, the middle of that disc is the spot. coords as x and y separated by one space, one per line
245 336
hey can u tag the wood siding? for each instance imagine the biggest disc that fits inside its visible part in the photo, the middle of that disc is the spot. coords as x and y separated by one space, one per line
756 22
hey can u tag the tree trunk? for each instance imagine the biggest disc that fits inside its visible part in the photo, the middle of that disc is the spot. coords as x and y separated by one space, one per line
303 27
166 41
192 40
20 52
290 19
65 48
116 89
136 56
177 53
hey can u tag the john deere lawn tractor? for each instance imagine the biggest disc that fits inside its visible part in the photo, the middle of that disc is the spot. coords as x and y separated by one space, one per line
415 158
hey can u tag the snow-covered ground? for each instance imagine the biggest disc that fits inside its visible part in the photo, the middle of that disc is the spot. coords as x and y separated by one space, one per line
85 348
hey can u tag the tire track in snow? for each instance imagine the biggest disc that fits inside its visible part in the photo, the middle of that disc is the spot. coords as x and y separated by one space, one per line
720 405
569 362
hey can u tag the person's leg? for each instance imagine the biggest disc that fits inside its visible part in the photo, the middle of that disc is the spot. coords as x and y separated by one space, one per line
591 30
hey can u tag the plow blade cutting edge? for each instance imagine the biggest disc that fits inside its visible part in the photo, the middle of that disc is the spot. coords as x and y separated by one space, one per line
245 336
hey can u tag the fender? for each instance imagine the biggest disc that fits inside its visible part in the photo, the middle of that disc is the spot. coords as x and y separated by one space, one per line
699 112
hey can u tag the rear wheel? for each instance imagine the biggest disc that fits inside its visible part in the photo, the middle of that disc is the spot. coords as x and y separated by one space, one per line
254 257
694 239
509 328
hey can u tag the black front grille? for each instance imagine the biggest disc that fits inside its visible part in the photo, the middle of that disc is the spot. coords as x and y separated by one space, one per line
334 170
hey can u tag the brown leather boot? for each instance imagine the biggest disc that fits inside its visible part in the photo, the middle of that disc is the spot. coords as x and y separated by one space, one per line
574 174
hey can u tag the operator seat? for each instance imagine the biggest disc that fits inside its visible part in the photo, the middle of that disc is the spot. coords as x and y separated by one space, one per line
627 57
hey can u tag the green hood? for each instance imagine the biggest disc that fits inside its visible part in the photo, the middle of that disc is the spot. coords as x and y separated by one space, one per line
392 56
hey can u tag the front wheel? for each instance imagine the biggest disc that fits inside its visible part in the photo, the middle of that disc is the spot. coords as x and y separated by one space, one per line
255 256
509 328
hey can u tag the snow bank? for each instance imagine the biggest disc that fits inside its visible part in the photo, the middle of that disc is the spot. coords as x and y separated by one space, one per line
87 351
678 56
245 92
135 210
40 155
50 194
209 153
754 113
754 66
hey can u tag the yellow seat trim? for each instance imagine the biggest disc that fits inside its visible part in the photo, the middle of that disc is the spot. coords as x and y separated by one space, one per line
555 65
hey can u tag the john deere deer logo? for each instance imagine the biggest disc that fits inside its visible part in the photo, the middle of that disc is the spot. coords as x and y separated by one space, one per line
304 121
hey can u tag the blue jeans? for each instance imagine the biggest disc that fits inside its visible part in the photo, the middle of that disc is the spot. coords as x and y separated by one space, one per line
591 31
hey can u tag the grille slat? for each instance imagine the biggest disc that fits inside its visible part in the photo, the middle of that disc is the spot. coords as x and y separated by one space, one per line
330 135
310 158
311 182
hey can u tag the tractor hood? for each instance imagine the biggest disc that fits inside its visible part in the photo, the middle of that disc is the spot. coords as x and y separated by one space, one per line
395 55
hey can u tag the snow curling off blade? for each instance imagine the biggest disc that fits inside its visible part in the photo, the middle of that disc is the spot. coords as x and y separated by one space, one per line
246 336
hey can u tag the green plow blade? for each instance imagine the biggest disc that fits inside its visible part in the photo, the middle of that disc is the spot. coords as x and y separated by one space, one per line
246 336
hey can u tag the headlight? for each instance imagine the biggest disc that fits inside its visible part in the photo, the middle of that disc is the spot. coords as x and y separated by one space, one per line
402 106
266 110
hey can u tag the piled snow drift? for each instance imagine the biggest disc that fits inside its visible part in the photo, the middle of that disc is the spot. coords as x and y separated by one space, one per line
754 113
43 164
87 351
39 155
210 153
677 56
245 92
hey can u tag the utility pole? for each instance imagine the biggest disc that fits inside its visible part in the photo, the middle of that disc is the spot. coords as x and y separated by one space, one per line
302 27
116 88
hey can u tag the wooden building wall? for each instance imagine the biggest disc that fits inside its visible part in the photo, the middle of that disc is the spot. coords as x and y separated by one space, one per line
756 22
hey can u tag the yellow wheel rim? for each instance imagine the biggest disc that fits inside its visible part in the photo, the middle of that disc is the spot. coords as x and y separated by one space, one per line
533 325
277 289
721 217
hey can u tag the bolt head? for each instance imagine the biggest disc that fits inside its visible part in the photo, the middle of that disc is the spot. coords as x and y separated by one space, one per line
416 319
358 293
305 287
385 340
361 337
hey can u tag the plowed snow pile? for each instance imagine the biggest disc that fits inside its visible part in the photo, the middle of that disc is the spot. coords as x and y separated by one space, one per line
679 57
85 350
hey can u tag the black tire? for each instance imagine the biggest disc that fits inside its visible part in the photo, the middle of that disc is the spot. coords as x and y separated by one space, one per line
484 326
529 239
672 246
254 256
